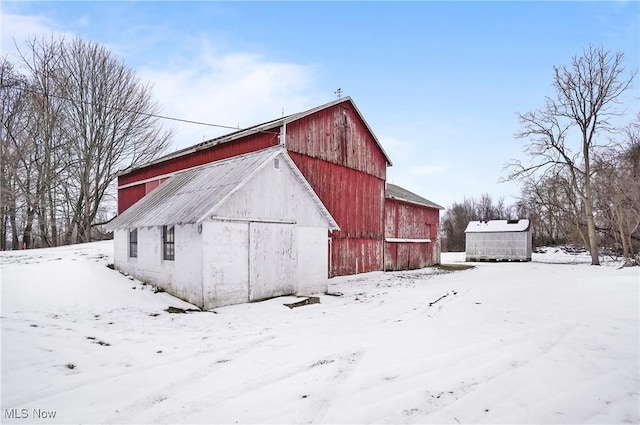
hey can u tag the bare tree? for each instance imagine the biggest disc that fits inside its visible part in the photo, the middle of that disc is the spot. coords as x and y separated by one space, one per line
12 114
618 192
42 149
73 118
565 135
454 222
111 126
555 211
94 120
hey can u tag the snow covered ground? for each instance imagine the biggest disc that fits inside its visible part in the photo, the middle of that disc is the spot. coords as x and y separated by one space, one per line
534 342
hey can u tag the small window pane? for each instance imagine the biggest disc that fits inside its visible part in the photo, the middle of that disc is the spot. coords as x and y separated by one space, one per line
133 243
168 243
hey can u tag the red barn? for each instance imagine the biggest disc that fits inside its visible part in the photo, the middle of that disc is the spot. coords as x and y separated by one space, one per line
336 151
411 230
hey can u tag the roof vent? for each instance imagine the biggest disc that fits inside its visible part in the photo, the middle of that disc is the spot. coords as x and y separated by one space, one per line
513 221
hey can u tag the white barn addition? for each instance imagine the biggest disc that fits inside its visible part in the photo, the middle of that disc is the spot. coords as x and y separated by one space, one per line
498 240
232 231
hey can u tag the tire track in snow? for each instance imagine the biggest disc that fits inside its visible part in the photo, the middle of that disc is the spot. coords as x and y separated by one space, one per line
475 379
450 376
322 400
344 364
146 402
38 398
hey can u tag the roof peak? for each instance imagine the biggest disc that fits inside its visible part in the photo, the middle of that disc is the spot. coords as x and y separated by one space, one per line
264 127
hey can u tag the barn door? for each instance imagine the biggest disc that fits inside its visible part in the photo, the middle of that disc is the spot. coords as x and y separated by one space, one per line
402 257
272 260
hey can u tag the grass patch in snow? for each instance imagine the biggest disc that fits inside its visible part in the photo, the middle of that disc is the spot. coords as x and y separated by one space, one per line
179 310
306 301
454 267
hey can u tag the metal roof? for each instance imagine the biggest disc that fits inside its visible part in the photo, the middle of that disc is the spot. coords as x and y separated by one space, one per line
497 226
192 195
396 192
263 127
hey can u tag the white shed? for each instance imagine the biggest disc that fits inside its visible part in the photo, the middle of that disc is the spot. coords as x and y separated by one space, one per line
232 231
498 240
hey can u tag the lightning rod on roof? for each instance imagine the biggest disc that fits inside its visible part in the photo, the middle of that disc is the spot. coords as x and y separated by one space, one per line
338 92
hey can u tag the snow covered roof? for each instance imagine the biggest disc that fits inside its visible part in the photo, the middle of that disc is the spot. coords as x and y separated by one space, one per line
192 195
396 192
492 226
263 127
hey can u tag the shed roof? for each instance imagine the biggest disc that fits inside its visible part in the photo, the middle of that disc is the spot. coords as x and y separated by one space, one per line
497 226
192 195
396 192
263 127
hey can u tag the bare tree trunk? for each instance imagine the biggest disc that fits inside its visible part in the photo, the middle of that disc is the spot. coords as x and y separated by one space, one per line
624 239
53 219
593 237
27 234
15 244
587 93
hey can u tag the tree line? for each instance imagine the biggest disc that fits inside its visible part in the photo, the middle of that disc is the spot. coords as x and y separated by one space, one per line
457 216
581 176
73 117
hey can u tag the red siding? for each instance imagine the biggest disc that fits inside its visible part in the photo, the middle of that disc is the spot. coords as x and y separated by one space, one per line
337 135
410 221
345 166
251 143
129 196
149 186
351 256
354 199
408 256
356 202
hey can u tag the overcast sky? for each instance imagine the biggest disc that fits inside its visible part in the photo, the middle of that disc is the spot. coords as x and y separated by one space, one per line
438 82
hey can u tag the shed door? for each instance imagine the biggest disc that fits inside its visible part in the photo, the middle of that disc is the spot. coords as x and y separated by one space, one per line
272 260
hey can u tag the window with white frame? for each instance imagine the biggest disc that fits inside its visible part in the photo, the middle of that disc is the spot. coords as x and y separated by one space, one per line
168 243
133 243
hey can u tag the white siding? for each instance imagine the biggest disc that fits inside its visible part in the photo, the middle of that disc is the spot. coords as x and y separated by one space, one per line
187 267
498 246
225 251
276 194
313 257
181 277
121 249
